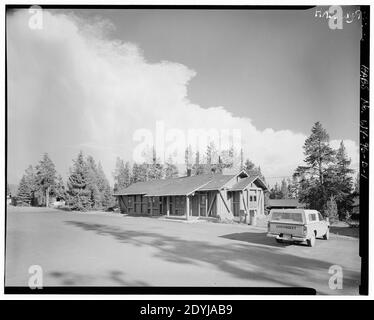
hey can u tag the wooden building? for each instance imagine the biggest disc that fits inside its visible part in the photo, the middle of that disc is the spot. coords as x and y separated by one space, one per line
218 196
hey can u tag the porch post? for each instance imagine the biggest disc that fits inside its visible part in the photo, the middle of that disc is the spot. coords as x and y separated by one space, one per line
168 206
187 207
151 206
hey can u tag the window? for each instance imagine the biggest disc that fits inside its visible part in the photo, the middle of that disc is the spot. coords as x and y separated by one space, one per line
312 217
254 198
287 216
250 198
321 218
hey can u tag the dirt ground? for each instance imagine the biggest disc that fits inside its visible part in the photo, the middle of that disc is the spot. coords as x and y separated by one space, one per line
99 249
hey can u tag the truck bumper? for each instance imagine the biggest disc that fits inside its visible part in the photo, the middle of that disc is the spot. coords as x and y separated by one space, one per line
286 238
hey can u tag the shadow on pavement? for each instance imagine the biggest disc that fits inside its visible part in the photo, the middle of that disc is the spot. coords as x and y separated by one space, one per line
267 264
77 279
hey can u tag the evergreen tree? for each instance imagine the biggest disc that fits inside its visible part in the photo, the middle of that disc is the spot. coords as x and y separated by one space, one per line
122 175
188 158
107 199
198 168
45 178
275 192
316 175
171 170
79 193
342 181
136 173
27 188
93 183
155 169
293 188
331 210
59 190
284 189
249 166
357 184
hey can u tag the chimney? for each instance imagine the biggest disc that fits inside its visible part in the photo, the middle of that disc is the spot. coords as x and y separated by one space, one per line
188 172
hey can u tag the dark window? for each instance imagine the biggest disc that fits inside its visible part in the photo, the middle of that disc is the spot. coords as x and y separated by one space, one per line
312 217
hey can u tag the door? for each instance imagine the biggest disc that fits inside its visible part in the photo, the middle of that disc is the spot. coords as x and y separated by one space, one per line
236 203
203 204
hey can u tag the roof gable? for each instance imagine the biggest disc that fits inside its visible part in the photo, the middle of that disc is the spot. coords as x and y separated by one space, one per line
243 183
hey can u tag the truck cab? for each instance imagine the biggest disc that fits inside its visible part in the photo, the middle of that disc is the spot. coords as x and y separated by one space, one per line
297 225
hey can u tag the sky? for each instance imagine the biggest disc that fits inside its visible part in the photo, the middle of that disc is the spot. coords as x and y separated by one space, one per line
92 79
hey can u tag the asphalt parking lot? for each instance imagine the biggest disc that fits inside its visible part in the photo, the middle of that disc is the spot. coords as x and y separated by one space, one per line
76 249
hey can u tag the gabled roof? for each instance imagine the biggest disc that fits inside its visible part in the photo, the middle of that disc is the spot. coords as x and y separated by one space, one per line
142 187
243 183
181 186
218 181
177 186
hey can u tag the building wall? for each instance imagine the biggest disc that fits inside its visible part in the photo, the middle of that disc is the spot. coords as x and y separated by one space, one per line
141 205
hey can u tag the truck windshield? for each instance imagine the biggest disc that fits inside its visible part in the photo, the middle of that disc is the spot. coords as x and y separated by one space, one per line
289 216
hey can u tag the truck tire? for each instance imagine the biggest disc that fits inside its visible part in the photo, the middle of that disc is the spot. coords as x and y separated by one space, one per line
312 241
327 235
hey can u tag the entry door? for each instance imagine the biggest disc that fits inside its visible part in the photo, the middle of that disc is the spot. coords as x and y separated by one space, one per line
203 204
236 203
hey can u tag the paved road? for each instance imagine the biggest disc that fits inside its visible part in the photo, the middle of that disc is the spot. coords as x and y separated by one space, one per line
101 250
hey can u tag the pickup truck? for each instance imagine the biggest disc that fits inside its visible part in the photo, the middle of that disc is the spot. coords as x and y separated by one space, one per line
297 225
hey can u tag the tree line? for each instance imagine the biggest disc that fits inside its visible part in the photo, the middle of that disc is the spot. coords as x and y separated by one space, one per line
326 181
87 187
212 161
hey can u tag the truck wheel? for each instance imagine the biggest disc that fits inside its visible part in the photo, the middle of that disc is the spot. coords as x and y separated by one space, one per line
312 241
327 235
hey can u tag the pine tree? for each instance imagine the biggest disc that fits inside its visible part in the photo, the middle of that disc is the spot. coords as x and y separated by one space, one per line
45 178
342 181
107 200
171 170
275 192
155 169
188 158
331 210
26 188
122 175
284 189
136 173
79 193
59 190
198 168
93 183
316 174
293 188
249 166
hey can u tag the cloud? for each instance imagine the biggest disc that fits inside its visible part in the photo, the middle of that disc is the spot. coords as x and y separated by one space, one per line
71 87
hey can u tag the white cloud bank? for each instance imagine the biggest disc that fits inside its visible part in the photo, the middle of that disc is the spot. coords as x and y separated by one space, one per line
71 88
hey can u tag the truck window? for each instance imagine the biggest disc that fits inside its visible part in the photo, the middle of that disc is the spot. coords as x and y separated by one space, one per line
312 217
287 216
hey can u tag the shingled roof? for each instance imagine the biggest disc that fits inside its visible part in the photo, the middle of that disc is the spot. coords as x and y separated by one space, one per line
243 183
187 185
177 186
